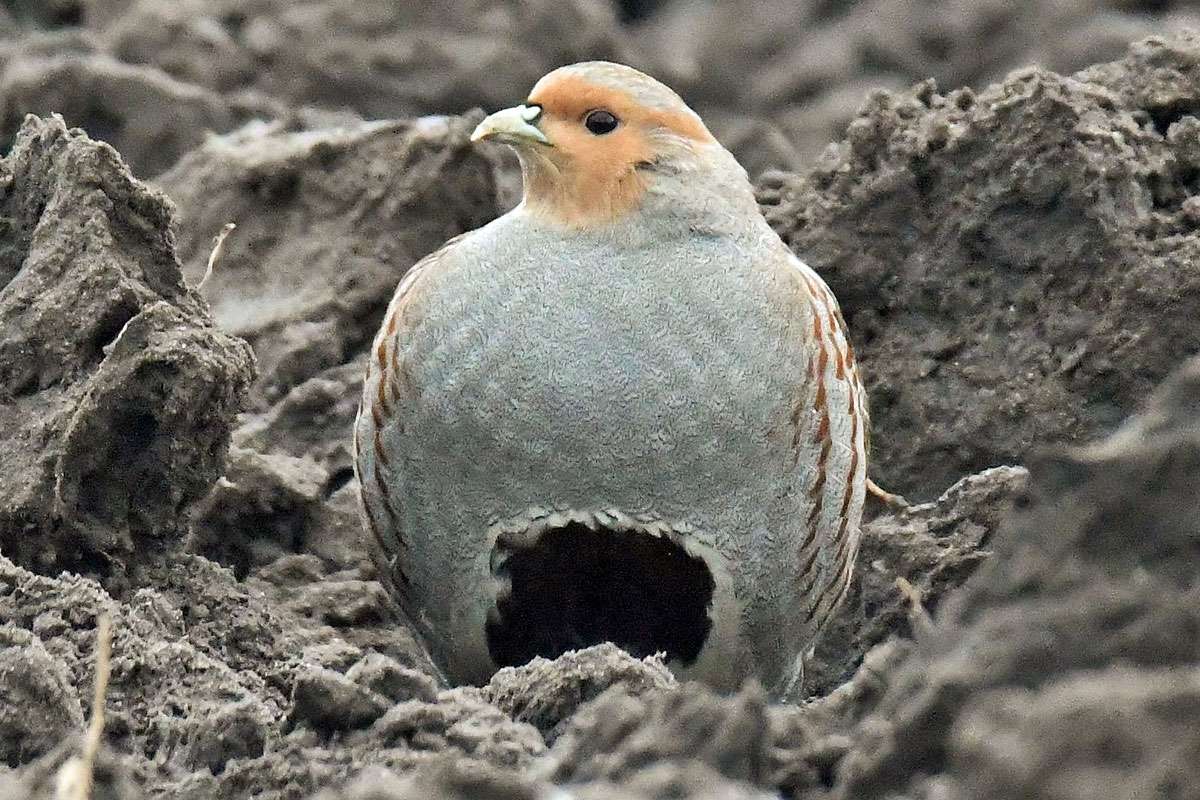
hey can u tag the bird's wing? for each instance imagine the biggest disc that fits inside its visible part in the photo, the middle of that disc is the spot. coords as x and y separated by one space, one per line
834 441
386 379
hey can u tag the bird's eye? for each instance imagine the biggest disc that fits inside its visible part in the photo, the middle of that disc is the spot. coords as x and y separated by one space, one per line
600 122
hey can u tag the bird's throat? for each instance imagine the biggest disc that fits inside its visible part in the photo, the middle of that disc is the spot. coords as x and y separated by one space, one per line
580 199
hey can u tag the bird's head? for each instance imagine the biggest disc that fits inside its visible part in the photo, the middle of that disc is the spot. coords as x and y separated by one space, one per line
594 139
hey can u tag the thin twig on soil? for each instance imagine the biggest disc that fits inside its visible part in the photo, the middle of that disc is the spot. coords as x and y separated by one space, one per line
918 617
215 255
75 777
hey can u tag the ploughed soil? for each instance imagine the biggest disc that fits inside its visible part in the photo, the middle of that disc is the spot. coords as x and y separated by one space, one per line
1004 196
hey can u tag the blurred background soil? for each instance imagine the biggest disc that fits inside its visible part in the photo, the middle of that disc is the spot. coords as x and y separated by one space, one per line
1005 197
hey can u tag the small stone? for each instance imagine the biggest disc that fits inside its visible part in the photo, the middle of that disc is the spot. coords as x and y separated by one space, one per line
342 603
38 706
336 655
388 677
1191 210
238 730
405 720
329 701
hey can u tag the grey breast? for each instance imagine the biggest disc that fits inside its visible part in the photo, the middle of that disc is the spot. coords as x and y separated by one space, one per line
572 369
567 371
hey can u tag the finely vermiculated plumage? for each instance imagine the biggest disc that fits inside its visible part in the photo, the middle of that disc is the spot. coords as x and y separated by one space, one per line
674 372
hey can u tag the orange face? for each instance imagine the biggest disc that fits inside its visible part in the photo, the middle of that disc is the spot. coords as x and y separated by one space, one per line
587 160
604 131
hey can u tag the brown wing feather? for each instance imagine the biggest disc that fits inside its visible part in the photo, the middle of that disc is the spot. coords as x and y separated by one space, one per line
836 486
386 381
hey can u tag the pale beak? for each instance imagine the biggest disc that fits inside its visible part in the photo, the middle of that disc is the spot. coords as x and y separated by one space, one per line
513 126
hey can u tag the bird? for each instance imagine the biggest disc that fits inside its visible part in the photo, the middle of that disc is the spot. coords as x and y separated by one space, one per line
623 411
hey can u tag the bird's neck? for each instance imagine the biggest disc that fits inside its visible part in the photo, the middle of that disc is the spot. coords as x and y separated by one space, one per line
656 200
577 200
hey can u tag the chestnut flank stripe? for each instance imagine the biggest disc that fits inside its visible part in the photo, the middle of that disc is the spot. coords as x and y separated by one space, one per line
822 434
373 526
381 395
381 353
380 453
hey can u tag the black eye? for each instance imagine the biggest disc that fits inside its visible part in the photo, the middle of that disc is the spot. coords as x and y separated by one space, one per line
600 122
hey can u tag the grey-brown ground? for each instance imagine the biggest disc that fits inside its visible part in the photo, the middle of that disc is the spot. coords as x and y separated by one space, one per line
1019 269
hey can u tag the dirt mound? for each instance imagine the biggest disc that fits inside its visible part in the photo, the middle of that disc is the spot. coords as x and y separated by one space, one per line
220 686
934 546
814 62
1017 267
381 59
547 693
151 118
118 392
1075 648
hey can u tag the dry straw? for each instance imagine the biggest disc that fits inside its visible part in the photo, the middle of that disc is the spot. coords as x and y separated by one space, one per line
75 777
